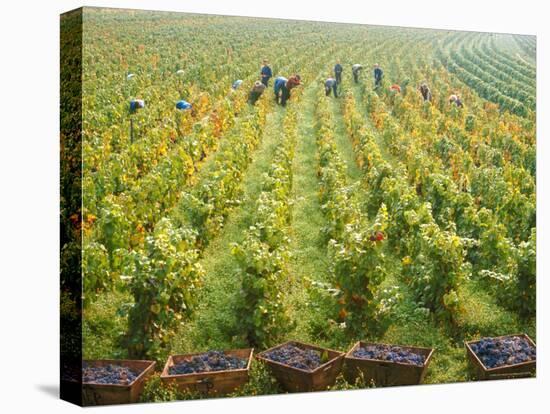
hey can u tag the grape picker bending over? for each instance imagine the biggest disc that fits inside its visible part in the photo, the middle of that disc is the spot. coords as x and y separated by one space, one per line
455 99
283 86
355 69
425 91
256 92
395 88
331 85
236 84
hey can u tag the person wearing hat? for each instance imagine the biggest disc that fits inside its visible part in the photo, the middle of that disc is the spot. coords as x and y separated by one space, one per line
283 86
455 98
266 73
355 69
425 91
256 92
378 75
338 69
331 85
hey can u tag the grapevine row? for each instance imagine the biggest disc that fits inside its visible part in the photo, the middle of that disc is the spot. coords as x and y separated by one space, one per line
455 209
433 276
354 245
263 255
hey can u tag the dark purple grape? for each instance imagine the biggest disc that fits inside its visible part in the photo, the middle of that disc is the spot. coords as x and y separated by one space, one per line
497 352
108 374
207 362
291 355
389 353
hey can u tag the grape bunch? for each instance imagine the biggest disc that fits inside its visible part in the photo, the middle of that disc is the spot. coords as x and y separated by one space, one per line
389 353
497 352
108 374
291 355
377 237
208 362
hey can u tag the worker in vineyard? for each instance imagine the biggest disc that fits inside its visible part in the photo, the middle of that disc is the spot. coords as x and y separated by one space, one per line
425 92
455 99
236 84
266 74
395 88
283 86
378 75
256 92
355 70
338 69
331 85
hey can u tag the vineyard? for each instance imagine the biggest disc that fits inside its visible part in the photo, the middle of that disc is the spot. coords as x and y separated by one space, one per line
373 216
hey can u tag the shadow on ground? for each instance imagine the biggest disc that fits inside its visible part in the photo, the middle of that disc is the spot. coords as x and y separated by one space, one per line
49 389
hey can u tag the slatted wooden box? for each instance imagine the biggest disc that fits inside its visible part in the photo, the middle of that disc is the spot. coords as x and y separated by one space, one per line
108 394
521 370
299 380
213 382
386 373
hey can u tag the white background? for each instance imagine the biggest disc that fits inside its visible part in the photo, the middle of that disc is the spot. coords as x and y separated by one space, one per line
29 102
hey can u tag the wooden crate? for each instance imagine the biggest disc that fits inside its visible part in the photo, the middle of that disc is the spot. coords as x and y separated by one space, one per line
521 370
213 382
299 380
386 373
106 394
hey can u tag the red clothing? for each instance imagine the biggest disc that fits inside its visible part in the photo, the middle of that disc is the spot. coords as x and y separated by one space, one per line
292 82
395 87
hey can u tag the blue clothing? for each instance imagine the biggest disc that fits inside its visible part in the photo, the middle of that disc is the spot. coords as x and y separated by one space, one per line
266 72
280 82
266 75
331 85
281 91
136 104
338 69
183 105
378 75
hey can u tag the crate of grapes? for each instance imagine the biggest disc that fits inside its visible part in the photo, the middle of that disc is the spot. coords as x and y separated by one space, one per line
503 357
302 367
212 372
387 365
118 381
